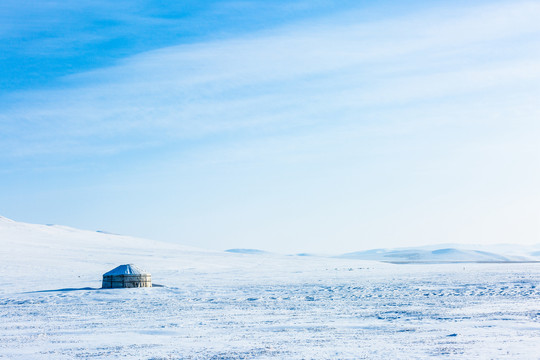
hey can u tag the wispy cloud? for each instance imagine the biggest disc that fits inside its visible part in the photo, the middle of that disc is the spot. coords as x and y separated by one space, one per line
329 73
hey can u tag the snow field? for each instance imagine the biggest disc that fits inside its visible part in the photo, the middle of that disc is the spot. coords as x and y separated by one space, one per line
484 311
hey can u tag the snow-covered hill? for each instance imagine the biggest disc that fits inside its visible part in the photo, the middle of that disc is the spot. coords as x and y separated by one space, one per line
38 257
247 251
444 254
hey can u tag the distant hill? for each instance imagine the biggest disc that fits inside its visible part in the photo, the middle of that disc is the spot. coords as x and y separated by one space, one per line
247 251
438 255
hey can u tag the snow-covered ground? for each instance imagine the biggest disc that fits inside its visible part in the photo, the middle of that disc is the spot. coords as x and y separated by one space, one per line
222 305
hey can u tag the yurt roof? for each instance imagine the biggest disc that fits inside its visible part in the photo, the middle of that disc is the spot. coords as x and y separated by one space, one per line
128 269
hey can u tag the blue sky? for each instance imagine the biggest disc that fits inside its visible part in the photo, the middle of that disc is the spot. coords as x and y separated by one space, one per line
287 126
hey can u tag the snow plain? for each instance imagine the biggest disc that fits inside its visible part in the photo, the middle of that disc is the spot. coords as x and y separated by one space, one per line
219 305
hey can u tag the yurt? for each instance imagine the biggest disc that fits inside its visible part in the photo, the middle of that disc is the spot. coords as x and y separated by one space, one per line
126 276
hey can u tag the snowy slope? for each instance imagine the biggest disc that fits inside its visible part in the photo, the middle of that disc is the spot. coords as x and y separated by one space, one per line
37 257
65 257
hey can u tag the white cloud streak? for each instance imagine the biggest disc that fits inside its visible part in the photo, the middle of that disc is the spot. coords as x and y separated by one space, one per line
325 75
